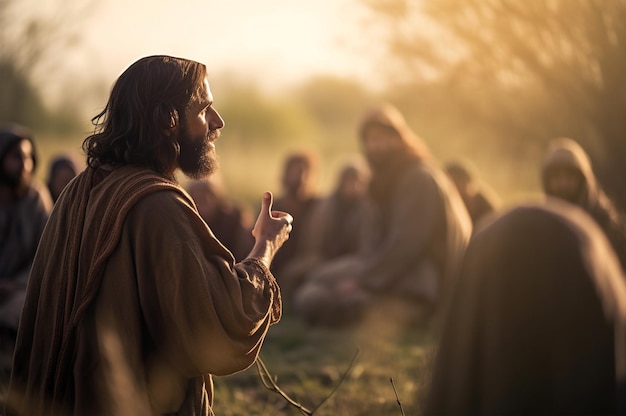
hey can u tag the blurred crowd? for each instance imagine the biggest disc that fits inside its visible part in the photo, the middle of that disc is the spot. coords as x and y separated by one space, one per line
528 301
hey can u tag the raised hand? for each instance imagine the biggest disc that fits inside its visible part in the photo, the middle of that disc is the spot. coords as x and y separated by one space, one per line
270 231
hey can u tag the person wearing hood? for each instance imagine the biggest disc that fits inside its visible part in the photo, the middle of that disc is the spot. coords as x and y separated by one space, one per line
537 322
480 199
417 235
24 209
62 170
567 174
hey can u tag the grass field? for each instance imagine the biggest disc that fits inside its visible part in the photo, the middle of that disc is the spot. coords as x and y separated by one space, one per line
308 363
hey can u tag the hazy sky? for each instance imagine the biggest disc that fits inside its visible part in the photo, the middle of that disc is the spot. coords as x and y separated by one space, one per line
273 41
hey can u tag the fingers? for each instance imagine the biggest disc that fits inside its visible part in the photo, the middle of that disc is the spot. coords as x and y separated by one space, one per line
266 207
266 203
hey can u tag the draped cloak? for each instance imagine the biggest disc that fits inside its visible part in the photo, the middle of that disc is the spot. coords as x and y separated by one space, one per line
132 303
537 324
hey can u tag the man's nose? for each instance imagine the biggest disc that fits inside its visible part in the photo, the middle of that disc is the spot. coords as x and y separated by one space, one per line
216 122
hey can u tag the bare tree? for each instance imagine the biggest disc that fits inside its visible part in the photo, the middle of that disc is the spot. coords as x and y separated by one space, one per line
572 51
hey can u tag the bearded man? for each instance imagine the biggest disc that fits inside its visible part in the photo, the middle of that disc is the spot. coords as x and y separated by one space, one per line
133 303
415 239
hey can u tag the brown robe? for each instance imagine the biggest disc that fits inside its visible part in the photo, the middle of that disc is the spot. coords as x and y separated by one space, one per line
132 303
537 324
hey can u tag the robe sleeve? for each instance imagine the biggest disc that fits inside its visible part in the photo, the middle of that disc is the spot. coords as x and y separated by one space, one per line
416 209
207 313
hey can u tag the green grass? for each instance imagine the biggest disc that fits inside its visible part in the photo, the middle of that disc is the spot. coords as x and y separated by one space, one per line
308 363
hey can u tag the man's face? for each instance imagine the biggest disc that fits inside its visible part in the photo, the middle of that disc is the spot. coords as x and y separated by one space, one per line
565 183
352 186
380 145
18 165
297 178
198 131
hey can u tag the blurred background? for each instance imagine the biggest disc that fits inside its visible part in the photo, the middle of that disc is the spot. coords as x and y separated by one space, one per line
488 80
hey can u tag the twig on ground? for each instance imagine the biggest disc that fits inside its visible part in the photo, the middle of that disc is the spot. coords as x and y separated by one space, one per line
397 397
341 380
269 382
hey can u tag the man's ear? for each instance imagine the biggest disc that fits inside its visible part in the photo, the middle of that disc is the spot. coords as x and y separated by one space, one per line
172 130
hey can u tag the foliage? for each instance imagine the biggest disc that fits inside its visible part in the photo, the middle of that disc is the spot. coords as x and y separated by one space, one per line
529 71
32 40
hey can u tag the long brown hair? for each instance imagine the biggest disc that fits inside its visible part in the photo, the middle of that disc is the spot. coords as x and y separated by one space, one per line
146 102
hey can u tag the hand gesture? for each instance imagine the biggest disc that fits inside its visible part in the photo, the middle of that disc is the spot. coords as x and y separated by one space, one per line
271 230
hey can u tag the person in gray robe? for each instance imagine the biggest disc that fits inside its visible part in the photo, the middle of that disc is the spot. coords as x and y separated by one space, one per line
416 235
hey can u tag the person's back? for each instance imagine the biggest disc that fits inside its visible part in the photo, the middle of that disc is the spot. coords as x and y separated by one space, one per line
133 303
537 323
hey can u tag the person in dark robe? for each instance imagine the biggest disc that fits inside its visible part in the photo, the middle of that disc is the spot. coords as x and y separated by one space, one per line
300 198
537 320
62 170
25 206
480 200
132 303
416 236
231 224
567 174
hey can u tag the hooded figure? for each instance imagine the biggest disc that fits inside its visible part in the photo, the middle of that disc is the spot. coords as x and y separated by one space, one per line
416 237
537 322
567 174
24 209
62 170
480 199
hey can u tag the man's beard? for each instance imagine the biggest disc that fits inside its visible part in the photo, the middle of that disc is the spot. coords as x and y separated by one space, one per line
197 158
18 185
381 161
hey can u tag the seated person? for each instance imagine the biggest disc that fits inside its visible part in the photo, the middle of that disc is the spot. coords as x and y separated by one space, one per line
567 174
480 200
417 234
